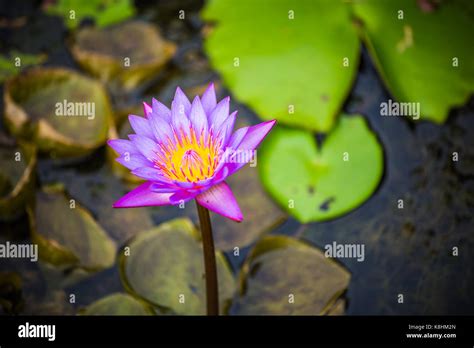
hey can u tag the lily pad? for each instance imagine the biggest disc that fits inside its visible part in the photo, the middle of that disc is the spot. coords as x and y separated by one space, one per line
16 62
104 12
315 184
260 213
63 112
418 52
17 178
309 45
125 55
166 266
284 276
118 304
67 235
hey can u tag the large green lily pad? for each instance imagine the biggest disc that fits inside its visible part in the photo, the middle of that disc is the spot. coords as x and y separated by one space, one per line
63 112
124 55
274 51
17 177
118 304
315 184
166 263
260 213
284 276
67 235
423 57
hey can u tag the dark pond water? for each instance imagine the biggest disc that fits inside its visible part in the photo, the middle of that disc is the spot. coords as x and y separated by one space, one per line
407 251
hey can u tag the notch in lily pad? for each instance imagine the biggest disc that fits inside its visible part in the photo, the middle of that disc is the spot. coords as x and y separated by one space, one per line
123 56
284 276
62 112
67 235
315 183
165 267
17 177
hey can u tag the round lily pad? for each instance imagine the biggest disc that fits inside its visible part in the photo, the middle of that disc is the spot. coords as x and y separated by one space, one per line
63 112
67 235
166 268
17 178
316 183
309 45
124 55
284 276
260 213
118 304
419 52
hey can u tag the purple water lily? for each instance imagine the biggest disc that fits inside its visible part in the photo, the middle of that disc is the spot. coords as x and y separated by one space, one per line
187 152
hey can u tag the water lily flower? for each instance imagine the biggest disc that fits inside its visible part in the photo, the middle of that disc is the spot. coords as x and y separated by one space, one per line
187 152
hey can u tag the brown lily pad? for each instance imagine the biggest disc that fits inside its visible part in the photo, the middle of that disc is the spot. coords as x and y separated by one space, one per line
284 276
126 55
165 267
17 178
260 213
67 235
118 304
63 112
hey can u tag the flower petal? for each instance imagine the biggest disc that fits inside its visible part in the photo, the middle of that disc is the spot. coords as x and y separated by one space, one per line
219 114
161 110
142 196
141 126
180 99
220 199
252 138
237 136
122 146
160 127
179 119
146 146
198 117
208 99
152 174
147 109
182 197
133 161
225 131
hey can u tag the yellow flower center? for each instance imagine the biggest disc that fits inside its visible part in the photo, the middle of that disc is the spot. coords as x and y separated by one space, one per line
189 158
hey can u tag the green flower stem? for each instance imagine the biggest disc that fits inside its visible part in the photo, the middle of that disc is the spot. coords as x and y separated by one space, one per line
212 294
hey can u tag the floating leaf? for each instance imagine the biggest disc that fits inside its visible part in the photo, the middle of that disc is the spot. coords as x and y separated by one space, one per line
118 304
64 112
66 233
260 213
17 178
306 44
285 276
16 62
420 53
318 184
104 12
125 55
166 266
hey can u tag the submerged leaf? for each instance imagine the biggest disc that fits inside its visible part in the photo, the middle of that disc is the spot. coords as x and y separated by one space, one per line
125 55
67 235
166 268
284 276
17 178
118 304
63 112
318 184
